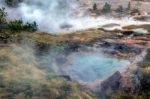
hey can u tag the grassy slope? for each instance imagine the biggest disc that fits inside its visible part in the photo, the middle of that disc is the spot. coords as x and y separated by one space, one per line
76 37
27 81
22 79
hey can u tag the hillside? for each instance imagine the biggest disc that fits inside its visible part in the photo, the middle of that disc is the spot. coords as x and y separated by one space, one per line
68 49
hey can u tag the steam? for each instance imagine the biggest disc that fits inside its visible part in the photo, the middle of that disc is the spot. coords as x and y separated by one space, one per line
98 66
57 16
88 60
49 14
27 62
62 16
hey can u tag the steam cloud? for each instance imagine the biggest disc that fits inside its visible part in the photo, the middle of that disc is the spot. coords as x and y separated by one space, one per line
61 15
49 14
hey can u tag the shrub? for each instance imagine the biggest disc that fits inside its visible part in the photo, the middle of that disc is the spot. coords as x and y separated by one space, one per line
11 30
30 26
12 3
18 25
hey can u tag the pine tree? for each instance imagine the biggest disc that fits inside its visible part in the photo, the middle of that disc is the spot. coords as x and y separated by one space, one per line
3 15
129 7
106 8
120 9
95 6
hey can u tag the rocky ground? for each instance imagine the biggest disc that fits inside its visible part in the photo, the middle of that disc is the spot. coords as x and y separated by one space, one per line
27 71
126 44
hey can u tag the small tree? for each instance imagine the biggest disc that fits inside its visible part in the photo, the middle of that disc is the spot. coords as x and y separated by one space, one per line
106 8
18 25
128 7
30 26
138 4
120 9
3 15
95 6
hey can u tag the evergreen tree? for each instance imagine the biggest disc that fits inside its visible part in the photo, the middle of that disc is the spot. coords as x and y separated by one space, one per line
120 9
128 7
95 6
3 15
106 8
18 25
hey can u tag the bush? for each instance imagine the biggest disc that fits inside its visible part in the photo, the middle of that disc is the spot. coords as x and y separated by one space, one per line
13 3
11 30
18 25
30 26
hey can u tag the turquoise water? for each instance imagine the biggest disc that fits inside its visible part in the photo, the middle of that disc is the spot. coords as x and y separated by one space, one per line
92 67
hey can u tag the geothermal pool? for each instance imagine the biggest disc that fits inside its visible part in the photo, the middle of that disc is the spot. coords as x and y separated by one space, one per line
87 68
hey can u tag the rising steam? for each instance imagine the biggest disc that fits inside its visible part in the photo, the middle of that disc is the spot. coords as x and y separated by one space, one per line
62 16
50 15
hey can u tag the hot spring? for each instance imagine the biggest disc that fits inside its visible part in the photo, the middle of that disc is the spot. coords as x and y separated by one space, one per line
87 68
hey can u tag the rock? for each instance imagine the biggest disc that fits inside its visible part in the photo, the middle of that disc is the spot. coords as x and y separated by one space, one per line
112 83
127 33
66 26
120 47
146 61
66 77
130 81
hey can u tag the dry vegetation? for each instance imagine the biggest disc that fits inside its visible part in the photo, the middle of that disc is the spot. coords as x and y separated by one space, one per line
77 37
22 79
